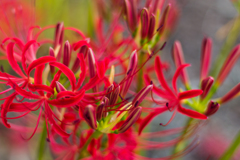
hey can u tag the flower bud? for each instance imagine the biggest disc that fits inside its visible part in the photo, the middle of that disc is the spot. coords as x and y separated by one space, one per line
51 53
67 53
92 66
212 108
206 57
144 23
89 114
58 39
178 58
231 94
131 14
163 21
130 71
102 110
60 87
141 95
151 26
113 93
228 64
205 86
133 116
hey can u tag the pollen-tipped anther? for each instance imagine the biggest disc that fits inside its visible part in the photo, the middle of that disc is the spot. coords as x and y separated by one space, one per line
66 53
212 108
133 116
89 115
206 86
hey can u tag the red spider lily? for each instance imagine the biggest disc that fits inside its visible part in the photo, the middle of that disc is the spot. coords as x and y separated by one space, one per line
171 97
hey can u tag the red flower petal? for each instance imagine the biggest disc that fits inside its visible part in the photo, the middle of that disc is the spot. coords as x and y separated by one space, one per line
66 71
189 94
38 77
191 113
149 117
12 60
24 106
177 73
28 44
80 44
5 107
92 82
53 83
158 69
83 70
40 61
67 102
64 94
40 87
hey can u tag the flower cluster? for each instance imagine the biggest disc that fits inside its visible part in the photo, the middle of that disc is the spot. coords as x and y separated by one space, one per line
93 96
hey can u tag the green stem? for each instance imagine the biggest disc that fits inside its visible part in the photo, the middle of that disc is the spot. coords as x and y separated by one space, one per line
229 43
42 143
230 152
182 144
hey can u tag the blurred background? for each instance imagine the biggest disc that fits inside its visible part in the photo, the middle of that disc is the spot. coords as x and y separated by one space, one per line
211 18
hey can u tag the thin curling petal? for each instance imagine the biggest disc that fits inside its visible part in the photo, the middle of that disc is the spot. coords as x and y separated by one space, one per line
38 77
67 72
55 78
66 53
206 85
234 92
189 94
178 58
51 53
144 23
12 60
163 22
80 44
177 73
67 102
83 70
205 57
40 87
151 28
161 78
141 95
212 108
131 119
228 65
191 113
89 115
145 121
5 107
26 47
39 61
